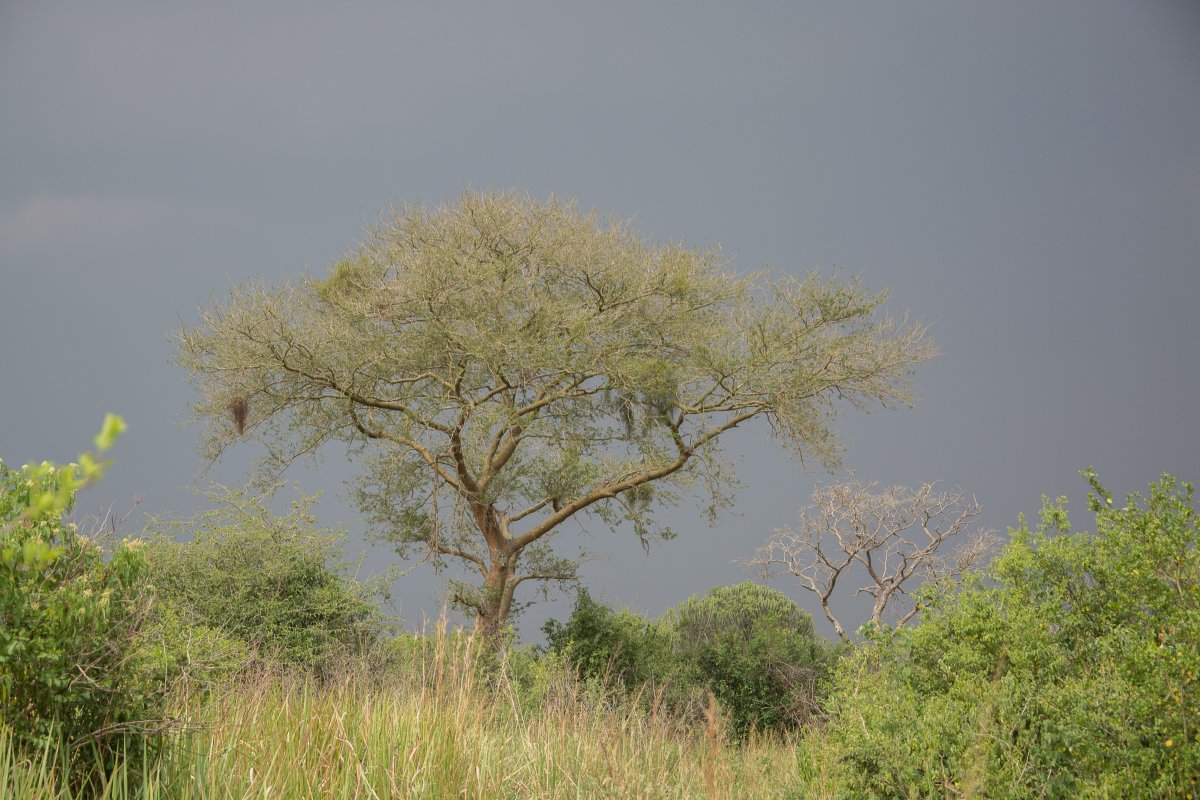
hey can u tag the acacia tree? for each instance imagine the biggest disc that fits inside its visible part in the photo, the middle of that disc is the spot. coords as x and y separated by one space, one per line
893 536
503 365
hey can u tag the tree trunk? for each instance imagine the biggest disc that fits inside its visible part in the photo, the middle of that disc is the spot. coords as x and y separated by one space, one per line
491 615
837 626
886 592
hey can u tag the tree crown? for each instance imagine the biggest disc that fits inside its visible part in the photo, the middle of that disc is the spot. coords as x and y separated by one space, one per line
505 364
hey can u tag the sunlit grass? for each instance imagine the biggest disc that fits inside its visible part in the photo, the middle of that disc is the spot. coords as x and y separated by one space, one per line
434 728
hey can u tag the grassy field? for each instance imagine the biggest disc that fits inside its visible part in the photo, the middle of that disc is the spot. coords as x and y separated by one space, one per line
437 731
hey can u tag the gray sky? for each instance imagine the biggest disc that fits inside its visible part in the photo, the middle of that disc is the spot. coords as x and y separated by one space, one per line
1024 176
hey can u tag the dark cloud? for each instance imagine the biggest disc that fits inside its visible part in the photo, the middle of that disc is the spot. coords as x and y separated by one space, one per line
1025 176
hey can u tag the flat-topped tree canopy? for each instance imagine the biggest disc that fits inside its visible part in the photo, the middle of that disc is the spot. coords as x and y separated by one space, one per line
502 365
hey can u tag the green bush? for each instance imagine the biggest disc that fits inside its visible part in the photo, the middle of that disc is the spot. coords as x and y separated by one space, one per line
267 581
1071 672
188 657
751 646
610 645
72 674
756 650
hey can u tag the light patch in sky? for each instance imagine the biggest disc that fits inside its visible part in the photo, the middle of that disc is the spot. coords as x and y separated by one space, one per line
58 230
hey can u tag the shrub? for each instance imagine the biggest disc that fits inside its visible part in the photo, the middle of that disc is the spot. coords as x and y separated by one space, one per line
72 675
756 650
1072 672
607 644
267 581
751 646
188 657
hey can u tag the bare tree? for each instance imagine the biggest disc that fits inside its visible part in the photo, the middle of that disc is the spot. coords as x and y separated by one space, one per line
893 535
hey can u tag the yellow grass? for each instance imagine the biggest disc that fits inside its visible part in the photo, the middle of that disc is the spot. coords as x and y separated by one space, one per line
433 728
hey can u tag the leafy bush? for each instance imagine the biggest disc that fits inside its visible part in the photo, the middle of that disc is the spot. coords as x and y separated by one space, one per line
751 646
756 650
267 581
1072 673
71 669
189 657
607 644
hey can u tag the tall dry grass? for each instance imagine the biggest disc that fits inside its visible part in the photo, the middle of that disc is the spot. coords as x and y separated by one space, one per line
442 723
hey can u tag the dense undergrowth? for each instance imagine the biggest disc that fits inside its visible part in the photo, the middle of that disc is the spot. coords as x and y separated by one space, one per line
243 663
447 724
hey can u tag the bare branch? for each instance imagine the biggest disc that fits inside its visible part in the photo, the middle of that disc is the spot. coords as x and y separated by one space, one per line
893 535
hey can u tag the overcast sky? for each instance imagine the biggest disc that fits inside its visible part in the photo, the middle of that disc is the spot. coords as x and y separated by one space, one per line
1024 176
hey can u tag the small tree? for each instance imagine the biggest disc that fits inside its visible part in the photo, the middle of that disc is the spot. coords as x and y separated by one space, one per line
72 674
894 536
756 650
503 366
605 643
272 582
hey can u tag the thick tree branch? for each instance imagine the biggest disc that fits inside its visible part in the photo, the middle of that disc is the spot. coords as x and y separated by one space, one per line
610 490
425 454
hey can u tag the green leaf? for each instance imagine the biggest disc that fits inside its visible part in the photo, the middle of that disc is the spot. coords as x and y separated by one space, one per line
113 427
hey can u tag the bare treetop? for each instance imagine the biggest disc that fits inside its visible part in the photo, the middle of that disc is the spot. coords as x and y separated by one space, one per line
503 365
893 536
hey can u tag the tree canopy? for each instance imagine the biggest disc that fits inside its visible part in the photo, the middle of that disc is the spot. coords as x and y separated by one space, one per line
503 365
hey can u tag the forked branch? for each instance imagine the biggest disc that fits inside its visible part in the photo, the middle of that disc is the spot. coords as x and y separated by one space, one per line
888 538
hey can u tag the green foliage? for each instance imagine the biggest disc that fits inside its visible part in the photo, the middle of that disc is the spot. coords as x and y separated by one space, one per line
756 650
188 656
48 491
266 581
1072 673
72 670
751 646
502 365
607 644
